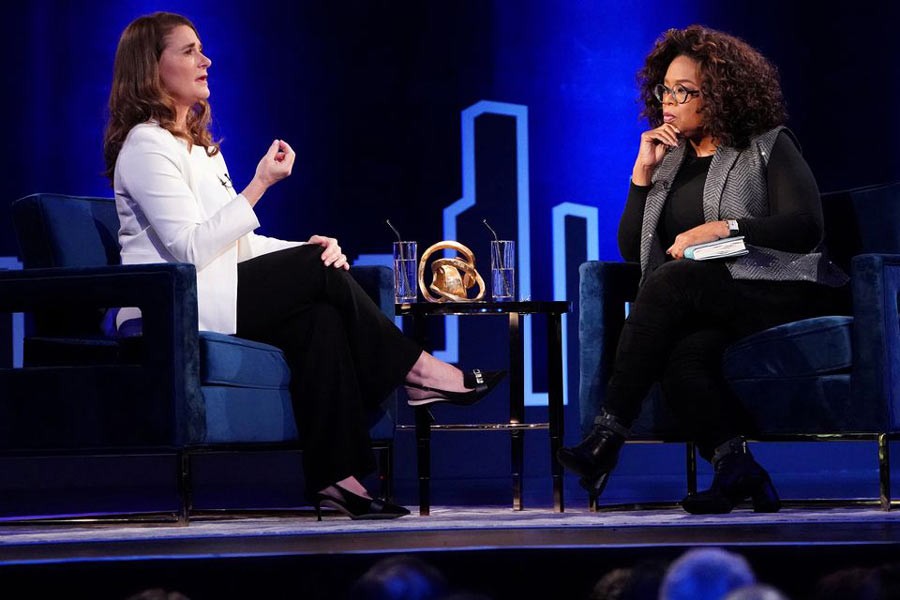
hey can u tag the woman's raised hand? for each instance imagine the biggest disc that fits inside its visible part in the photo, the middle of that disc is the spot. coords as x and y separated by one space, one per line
654 144
277 163
272 168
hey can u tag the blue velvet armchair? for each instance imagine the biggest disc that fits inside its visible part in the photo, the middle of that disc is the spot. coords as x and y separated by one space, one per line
827 378
82 390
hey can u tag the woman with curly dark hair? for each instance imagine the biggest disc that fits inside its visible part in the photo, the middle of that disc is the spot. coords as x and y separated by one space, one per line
718 163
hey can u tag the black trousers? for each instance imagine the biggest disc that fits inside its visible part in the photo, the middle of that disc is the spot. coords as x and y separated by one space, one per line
345 355
685 315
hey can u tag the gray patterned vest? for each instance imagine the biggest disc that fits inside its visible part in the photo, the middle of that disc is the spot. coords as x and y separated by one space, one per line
735 188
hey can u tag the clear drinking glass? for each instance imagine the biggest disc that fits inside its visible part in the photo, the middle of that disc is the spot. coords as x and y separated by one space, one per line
405 272
503 270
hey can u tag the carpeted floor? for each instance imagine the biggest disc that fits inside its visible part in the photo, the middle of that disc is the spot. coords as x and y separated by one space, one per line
458 526
501 552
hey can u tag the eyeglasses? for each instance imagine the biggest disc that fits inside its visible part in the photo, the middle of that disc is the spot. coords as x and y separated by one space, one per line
679 93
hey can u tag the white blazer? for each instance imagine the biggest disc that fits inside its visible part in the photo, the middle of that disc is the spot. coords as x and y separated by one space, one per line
180 206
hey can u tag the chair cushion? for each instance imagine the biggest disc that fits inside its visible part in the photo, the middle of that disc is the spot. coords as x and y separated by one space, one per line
795 378
229 360
248 415
236 362
810 405
798 349
245 390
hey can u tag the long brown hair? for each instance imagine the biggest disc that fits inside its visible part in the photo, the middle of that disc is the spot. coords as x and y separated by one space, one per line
741 89
137 94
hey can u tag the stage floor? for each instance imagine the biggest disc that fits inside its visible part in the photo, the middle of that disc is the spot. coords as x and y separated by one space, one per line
495 550
448 527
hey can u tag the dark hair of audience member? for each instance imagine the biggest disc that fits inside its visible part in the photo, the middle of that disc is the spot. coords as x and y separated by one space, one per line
612 585
157 594
639 582
757 591
849 583
889 578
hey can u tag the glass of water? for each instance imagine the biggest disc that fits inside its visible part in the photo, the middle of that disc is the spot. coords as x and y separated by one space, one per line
405 272
503 270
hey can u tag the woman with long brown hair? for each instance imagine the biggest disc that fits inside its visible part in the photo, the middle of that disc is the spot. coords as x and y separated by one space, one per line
177 203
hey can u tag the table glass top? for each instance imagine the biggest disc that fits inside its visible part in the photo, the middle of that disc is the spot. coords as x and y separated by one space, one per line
474 308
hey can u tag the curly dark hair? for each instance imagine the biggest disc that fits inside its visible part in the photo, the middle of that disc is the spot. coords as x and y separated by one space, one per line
741 88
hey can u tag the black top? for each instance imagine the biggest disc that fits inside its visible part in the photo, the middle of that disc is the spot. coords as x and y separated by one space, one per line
684 207
794 224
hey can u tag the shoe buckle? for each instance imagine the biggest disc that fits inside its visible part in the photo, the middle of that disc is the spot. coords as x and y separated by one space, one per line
479 378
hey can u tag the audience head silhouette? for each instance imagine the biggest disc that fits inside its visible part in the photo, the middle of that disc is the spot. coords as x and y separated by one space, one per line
157 594
852 583
611 586
400 578
757 591
706 574
640 582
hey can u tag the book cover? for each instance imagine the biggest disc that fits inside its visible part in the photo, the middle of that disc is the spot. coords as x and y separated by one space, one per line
723 248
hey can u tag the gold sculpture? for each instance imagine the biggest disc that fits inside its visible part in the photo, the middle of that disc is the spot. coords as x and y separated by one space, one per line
451 277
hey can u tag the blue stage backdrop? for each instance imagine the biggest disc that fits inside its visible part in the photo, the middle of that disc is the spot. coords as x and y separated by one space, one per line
437 115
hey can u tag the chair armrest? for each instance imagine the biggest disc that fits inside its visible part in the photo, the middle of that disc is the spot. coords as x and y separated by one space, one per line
875 281
167 297
119 285
604 290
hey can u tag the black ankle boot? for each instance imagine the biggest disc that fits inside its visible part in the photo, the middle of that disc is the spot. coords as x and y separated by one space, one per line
597 454
737 477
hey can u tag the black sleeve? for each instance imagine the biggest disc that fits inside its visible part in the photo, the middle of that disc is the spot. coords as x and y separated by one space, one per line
795 222
630 224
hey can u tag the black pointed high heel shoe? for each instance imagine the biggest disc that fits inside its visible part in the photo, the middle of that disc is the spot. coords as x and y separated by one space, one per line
478 382
358 507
